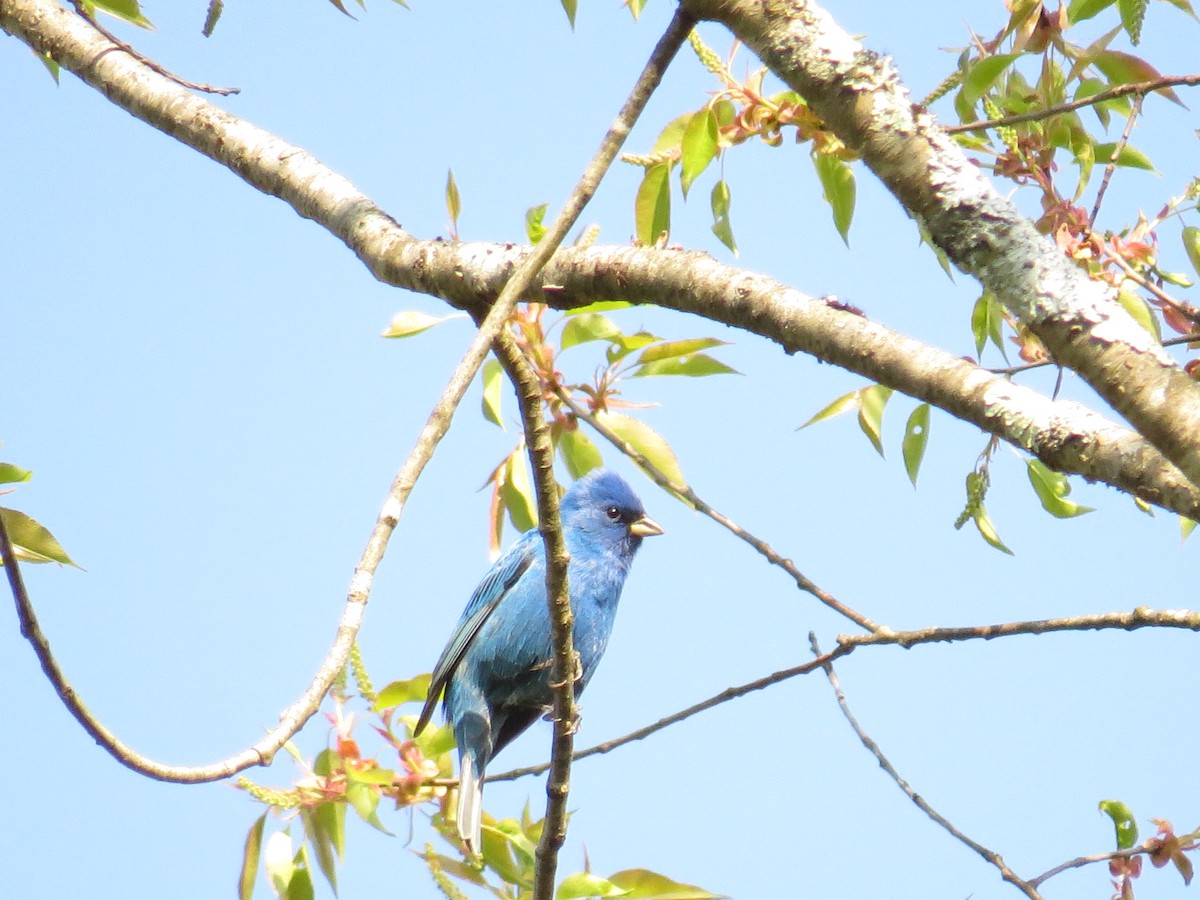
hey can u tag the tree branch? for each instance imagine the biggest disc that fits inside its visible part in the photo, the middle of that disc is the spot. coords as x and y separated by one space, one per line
1067 437
541 455
1138 88
858 95
1141 617
867 741
691 497
725 696
293 718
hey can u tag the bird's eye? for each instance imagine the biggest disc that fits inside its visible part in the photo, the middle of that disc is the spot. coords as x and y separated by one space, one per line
613 513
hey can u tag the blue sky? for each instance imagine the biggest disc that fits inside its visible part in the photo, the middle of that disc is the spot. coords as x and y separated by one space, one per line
195 376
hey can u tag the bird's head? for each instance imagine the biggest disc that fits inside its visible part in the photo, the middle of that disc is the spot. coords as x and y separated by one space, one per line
602 504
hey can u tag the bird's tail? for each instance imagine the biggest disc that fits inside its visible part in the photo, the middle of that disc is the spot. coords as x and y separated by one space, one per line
470 802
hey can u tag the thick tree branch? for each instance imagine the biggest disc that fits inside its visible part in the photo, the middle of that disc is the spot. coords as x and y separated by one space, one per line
858 94
1066 436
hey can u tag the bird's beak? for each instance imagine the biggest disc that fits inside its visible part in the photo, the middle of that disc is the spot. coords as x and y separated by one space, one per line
645 527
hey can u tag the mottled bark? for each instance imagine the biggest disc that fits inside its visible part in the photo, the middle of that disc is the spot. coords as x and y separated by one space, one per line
859 95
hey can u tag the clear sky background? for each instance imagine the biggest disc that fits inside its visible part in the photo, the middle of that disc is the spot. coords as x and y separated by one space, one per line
195 376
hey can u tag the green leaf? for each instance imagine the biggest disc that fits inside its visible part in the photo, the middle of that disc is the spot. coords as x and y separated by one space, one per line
453 201
624 344
327 762
569 7
870 413
1123 822
983 74
721 226
699 147
51 66
433 742
1184 6
578 452
646 441
365 800
652 207
1186 526
988 531
671 349
1191 246
316 828
916 436
250 856
10 474
123 9
696 365
277 857
301 885
842 404
534 216
986 319
493 384
585 884
837 189
1133 14
588 327
517 492
599 306
411 322
670 139
635 7
510 830
1053 489
642 884
1137 307
1130 157
1082 10
371 776
31 541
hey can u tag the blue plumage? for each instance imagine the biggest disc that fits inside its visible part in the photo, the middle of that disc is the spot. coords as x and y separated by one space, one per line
495 670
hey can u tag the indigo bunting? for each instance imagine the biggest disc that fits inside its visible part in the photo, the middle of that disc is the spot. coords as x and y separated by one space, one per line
496 668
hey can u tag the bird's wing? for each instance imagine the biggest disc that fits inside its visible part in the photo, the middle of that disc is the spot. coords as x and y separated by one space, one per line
505 573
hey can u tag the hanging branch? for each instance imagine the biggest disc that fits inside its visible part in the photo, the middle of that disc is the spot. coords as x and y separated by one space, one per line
867 741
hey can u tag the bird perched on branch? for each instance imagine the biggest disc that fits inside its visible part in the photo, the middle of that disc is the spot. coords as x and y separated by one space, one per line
495 669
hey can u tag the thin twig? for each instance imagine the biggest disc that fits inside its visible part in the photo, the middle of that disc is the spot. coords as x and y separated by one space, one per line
1112 163
1151 845
1140 88
562 673
1185 309
293 718
690 496
1192 338
1141 617
542 453
990 855
147 61
725 696
1130 621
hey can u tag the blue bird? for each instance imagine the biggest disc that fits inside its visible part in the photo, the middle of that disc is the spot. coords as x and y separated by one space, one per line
496 668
